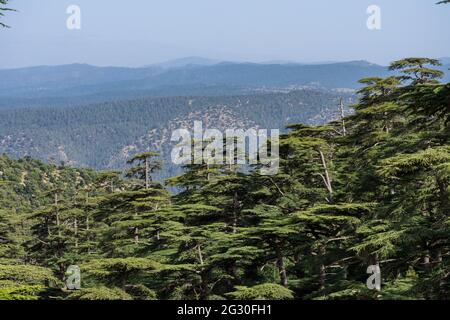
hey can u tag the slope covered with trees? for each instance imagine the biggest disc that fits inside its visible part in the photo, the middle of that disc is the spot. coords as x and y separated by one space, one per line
100 135
370 189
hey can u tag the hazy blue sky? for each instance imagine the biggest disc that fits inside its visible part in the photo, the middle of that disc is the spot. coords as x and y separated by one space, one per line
140 32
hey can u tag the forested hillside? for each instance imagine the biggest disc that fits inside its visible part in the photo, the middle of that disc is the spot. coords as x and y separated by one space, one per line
104 136
372 188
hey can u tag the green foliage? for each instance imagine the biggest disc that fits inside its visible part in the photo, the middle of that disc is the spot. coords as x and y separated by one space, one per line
265 291
100 293
20 292
24 282
119 268
26 274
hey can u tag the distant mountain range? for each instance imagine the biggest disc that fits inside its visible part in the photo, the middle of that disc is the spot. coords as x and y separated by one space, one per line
188 61
81 83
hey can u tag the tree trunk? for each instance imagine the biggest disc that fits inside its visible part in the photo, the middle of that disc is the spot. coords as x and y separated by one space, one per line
437 264
327 179
87 223
136 232
345 274
75 225
235 209
281 267
204 286
47 221
443 196
146 174
136 235
341 107
426 260
322 270
87 237
200 255
58 223
322 276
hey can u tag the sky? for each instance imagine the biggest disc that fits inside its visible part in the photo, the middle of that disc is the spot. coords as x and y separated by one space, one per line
142 32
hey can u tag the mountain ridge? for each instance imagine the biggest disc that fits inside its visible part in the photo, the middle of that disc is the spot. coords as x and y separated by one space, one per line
82 80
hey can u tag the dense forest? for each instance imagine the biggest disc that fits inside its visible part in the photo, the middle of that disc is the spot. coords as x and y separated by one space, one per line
98 135
371 188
